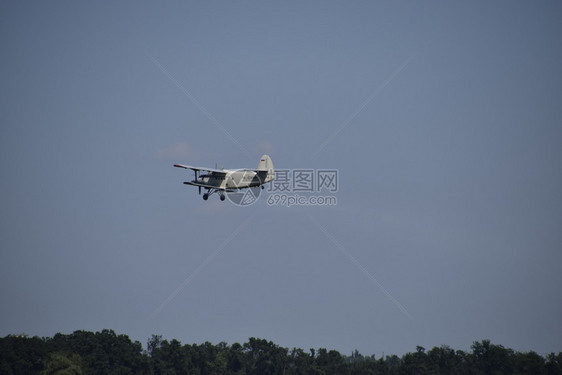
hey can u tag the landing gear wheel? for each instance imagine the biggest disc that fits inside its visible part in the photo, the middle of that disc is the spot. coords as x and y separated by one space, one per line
205 196
222 197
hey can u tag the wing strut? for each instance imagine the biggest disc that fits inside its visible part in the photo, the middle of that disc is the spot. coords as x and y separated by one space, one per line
195 170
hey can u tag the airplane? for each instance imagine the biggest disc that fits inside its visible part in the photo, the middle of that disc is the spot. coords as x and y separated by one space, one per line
230 180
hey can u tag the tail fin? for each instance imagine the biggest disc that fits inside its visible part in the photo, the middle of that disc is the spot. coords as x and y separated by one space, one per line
266 165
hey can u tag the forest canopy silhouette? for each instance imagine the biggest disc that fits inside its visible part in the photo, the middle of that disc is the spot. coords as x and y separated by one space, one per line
106 352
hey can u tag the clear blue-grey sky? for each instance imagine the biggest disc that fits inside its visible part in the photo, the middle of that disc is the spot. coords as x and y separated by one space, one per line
443 119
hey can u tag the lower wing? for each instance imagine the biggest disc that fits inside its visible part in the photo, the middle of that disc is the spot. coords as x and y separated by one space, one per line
208 186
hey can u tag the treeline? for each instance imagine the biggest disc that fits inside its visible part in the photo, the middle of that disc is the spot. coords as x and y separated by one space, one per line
106 352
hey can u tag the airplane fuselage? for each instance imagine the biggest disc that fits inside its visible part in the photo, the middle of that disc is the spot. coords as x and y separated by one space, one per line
224 180
233 179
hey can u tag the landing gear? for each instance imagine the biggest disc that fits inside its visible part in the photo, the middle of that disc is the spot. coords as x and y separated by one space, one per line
213 191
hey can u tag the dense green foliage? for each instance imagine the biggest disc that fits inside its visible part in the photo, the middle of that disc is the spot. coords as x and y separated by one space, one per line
106 352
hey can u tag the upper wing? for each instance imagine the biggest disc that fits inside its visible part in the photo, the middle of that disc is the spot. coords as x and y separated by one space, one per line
201 168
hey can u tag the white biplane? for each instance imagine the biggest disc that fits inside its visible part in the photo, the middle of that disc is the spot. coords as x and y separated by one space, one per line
223 181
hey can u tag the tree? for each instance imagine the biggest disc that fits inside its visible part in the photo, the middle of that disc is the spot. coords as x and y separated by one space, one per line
63 364
22 355
264 357
554 364
444 360
299 362
492 359
106 352
329 362
529 363
154 343
103 352
234 359
415 363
